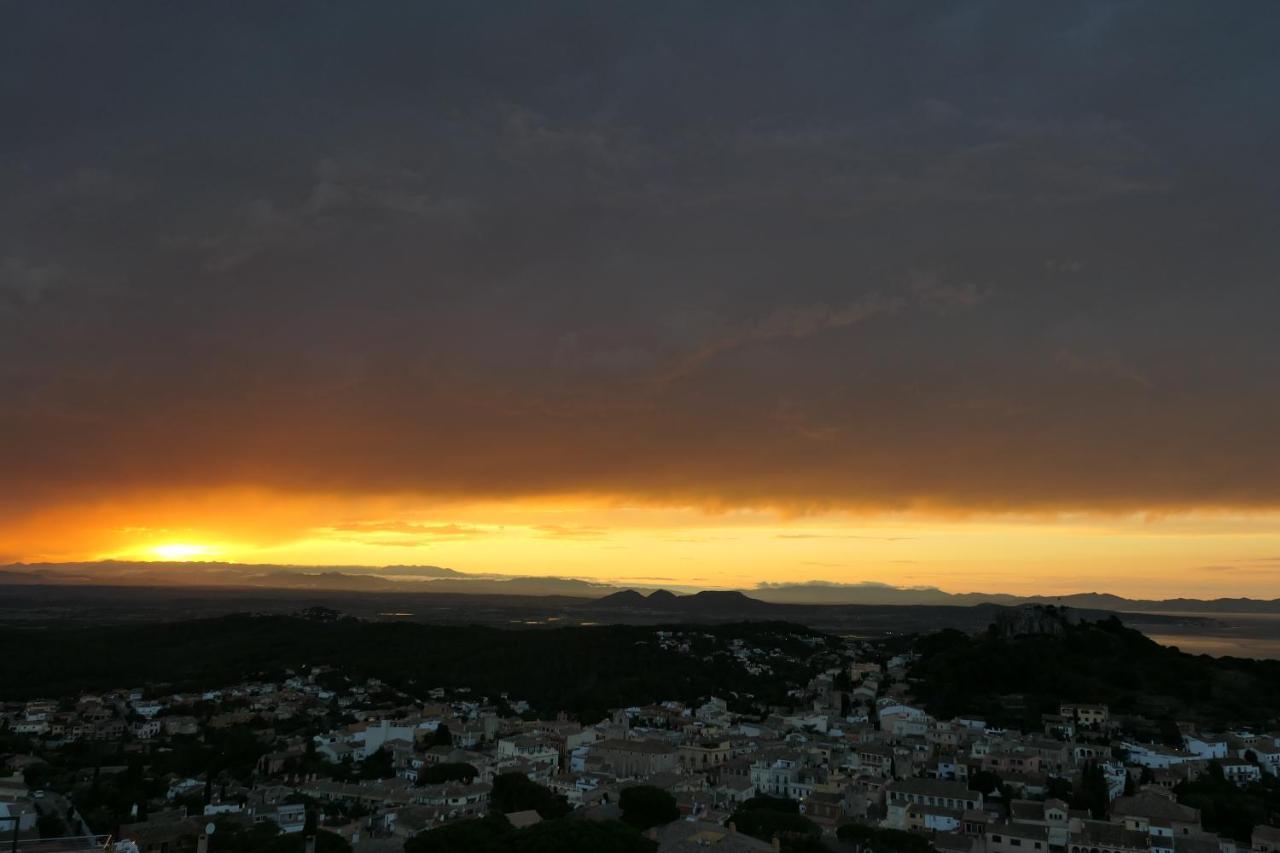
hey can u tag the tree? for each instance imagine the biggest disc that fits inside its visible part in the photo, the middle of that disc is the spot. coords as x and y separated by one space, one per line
1093 792
295 842
883 840
644 806
494 834
234 837
51 826
776 804
1227 808
442 736
438 774
37 776
767 817
516 792
985 782
488 834
580 836
1058 788
379 765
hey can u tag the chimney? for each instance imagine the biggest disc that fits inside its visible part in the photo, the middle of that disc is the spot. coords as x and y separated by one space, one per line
311 844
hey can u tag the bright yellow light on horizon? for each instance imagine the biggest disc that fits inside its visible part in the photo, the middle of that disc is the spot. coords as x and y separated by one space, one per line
180 551
1202 554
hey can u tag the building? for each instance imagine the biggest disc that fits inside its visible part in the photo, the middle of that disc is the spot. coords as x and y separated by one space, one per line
629 759
1017 838
1086 715
704 756
900 795
1097 836
777 778
1266 839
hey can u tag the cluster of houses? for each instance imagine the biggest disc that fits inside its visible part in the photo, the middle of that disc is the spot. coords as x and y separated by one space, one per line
850 747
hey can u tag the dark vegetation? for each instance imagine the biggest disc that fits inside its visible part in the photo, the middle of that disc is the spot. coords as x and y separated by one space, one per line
438 774
583 670
870 838
234 837
767 817
493 834
516 792
644 806
1230 809
105 782
1011 679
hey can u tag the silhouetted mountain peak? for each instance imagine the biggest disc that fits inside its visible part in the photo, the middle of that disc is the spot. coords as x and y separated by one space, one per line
707 601
623 598
717 599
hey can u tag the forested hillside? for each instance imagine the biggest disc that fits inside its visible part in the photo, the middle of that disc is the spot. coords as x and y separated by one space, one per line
584 670
1015 677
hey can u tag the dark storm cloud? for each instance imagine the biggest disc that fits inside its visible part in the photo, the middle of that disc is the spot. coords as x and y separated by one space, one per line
983 254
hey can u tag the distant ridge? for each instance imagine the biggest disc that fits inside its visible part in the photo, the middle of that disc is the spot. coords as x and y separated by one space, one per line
622 598
714 599
877 593
708 602
439 579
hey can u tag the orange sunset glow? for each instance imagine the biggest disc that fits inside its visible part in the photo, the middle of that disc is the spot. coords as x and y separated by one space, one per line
715 312
1218 553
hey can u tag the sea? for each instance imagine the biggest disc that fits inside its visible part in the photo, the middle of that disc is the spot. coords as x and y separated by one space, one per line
1243 635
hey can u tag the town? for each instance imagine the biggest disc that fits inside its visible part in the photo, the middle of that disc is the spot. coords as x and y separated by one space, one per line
850 762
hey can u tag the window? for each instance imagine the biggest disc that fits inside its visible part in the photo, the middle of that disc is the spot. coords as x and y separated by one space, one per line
1016 842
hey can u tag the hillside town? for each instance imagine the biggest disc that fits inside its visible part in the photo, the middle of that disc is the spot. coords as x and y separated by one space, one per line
853 759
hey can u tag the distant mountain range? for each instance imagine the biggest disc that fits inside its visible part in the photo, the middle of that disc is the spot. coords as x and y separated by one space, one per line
874 593
879 596
707 601
437 579
312 578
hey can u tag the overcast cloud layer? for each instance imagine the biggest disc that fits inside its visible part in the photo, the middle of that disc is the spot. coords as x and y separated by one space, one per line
974 255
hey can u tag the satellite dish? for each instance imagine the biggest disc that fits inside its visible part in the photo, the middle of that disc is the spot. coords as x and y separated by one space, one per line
209 828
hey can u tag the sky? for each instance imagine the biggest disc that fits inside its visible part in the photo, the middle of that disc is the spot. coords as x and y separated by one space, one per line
979 295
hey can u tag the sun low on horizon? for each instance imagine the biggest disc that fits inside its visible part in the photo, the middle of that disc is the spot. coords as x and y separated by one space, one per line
689 547
182 551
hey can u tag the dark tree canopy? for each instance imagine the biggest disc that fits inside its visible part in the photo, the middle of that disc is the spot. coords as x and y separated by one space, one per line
482 835
767 817
1101 662
583 670
883 840
1230 809
438 774
644 806
515 792
494 834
